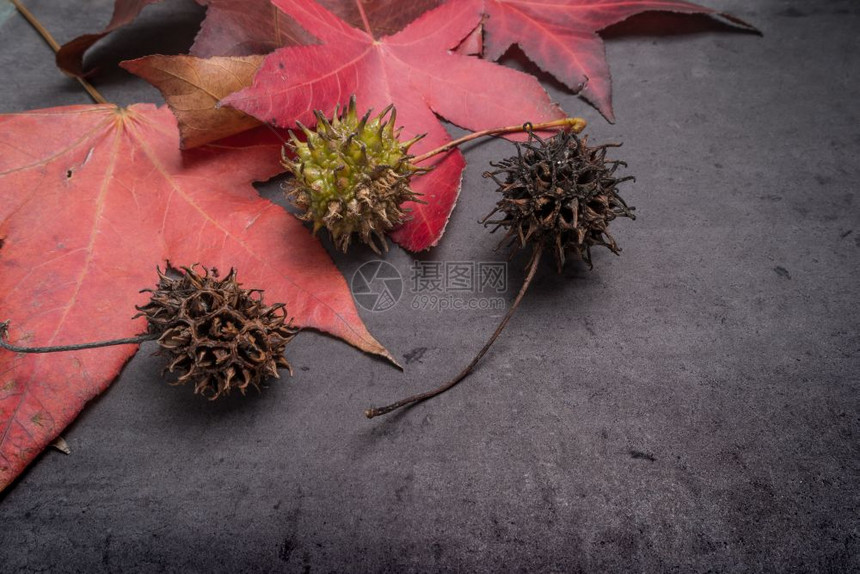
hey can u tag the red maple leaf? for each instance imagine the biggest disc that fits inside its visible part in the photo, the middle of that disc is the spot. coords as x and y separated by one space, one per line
92 199
561 37
416 70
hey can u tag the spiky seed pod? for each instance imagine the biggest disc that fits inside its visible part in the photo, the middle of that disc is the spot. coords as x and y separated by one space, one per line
561 193
352 175
219 337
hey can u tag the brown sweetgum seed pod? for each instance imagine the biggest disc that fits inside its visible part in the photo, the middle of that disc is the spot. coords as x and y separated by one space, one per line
559 193
218 336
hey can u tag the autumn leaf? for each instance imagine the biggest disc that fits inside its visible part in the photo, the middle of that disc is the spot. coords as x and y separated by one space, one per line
415 70
92 199
245 28
192 88
561 37
70 56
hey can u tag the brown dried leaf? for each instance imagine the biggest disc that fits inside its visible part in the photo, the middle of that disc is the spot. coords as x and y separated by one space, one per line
192 88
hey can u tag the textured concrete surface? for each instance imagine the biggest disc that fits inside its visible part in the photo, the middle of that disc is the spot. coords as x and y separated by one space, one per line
690 406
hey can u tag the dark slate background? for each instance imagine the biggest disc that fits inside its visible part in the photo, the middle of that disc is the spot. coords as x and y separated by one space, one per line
690 406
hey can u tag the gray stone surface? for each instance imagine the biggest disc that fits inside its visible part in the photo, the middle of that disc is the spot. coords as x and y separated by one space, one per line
690 406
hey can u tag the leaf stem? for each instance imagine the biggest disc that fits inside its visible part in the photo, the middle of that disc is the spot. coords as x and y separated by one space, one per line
60 348
43 32
533 265
575 125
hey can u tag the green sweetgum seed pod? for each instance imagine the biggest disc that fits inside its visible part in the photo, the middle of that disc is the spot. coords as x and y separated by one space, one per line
352 175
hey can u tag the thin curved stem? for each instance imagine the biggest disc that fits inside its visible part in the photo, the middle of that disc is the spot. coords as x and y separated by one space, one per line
60 348
575 125
533 265
43 32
